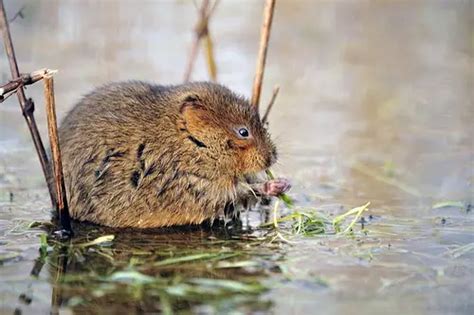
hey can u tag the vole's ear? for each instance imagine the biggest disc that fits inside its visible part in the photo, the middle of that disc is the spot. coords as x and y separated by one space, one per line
193 113
190 101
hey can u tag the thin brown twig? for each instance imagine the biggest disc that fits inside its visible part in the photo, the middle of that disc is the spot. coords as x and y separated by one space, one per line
11 87
192 57
62 206
200 29
210 12
211 62
262 53
276 89
19 13
209 45
202 32
27 105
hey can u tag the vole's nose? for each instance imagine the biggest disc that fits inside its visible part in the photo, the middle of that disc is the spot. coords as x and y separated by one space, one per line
268 161
271 158
274 155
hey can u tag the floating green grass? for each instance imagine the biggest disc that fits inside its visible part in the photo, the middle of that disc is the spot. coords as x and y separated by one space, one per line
104 240
312 222
6 256
303 223
355 212
131 276
460 250
309 224
449 203
195 257
228 285
237 264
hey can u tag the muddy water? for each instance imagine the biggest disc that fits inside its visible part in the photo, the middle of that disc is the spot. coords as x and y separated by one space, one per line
376 105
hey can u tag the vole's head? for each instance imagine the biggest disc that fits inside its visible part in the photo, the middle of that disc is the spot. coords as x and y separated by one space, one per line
225 129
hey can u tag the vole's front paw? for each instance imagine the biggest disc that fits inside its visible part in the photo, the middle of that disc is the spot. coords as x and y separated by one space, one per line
276 187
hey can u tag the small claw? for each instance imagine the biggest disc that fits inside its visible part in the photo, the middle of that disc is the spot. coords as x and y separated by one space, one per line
276 187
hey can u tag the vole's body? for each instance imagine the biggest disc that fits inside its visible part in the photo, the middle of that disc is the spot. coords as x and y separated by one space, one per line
142 155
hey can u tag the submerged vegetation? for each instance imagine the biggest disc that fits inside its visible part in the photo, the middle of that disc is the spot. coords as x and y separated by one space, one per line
216 268
175 276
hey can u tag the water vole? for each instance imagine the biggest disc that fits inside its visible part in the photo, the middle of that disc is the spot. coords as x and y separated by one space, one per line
142 155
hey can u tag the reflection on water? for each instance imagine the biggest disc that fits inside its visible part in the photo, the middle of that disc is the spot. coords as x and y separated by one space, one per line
375 105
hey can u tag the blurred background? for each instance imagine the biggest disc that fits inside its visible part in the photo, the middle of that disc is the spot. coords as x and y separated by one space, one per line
386 82
376 104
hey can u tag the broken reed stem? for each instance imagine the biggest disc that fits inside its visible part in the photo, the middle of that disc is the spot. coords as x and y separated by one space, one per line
62 206
262 52
211 62
19 13
209 45
202 32
27 105
276 89
200 29
11 87
192 57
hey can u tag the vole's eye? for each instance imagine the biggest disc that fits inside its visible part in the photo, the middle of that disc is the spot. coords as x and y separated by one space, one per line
243 132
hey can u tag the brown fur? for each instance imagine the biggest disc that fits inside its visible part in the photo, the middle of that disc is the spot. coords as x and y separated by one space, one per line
142 155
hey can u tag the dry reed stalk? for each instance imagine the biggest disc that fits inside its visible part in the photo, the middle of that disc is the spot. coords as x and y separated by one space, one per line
62 206
10 88
262 53
202 32
276 90
211 62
